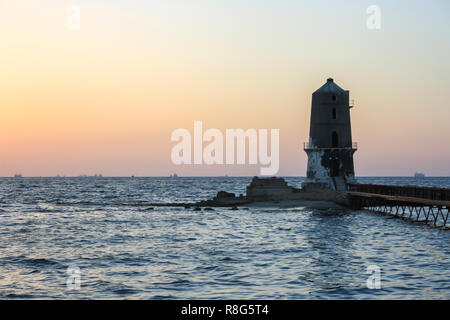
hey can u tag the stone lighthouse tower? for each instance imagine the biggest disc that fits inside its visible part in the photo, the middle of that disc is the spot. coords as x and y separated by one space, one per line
330 148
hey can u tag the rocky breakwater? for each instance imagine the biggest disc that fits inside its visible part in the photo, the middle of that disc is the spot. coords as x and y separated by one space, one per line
276 190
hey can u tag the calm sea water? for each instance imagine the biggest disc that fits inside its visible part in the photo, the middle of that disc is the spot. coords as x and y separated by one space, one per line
126 250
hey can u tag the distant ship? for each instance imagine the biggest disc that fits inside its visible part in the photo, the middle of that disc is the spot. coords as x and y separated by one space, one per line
174 175
419 175
94 176
18 175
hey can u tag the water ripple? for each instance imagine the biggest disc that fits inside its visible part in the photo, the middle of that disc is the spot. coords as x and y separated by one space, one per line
126 249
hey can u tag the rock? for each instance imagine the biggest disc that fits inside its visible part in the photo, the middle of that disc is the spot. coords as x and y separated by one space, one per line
266 189
234 208
187 206
223 195
197 209
208 209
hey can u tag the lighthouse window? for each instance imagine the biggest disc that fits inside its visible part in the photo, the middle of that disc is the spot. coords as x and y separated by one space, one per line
334 113
334 97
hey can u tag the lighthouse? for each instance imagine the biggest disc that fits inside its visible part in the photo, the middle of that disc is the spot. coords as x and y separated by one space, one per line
330 148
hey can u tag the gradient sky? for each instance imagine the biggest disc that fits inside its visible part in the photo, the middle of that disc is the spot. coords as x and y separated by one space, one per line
106 98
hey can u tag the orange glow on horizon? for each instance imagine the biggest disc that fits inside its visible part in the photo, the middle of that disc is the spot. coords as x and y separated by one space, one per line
106 98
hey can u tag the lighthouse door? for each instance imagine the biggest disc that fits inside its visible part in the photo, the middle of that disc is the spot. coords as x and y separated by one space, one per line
334 140
335 168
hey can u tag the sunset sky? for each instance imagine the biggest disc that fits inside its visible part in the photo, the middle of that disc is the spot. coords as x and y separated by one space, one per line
106 98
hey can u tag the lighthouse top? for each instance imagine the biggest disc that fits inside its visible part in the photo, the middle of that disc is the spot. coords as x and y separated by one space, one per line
330 86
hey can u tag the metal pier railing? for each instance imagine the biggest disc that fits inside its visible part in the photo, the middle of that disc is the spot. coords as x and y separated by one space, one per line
421 204
309 146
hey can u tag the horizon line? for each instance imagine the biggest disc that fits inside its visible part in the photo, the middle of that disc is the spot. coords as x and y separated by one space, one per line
213 176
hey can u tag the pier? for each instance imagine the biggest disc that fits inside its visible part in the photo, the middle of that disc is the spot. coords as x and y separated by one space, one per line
420 204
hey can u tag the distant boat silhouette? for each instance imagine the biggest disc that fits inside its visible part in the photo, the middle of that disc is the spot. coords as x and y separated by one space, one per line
174 175
18 175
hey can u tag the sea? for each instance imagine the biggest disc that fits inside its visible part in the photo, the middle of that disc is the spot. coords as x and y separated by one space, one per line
100 238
